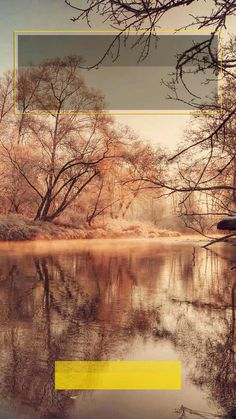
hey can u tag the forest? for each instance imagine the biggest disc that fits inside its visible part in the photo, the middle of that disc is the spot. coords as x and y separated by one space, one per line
85 170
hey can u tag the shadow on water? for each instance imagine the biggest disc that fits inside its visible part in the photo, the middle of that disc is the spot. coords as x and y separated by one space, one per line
150 301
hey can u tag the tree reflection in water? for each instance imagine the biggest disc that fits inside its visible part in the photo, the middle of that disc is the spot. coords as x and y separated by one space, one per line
92 304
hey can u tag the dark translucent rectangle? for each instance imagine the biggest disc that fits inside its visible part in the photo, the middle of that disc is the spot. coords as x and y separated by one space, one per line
131 73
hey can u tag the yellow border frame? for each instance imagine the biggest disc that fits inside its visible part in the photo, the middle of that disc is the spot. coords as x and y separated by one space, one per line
191 112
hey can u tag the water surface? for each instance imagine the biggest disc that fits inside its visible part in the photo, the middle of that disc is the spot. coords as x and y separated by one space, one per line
109 300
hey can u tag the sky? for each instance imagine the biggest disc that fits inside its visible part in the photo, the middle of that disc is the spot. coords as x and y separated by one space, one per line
166 130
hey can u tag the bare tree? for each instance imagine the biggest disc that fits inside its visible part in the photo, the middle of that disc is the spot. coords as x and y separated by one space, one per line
58 154
6 91
147 15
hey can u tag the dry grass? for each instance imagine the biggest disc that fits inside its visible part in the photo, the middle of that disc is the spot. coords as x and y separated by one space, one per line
17 229
14 228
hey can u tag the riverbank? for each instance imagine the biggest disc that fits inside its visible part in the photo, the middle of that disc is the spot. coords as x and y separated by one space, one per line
18 229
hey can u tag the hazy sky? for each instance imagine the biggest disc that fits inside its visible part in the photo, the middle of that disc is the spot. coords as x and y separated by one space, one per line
55 15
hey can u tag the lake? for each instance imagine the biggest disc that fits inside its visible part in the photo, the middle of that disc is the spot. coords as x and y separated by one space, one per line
117 300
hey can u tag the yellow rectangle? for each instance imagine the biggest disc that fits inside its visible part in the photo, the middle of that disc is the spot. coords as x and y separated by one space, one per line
117 375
